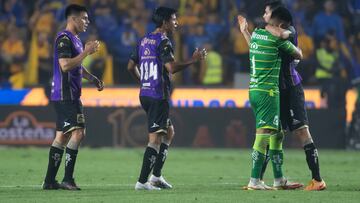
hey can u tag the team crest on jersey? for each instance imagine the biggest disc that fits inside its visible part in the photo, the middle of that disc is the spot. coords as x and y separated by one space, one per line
80 118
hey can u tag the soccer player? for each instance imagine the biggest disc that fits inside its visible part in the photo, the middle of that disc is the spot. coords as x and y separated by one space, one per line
293 114
264 95
65 95
152 63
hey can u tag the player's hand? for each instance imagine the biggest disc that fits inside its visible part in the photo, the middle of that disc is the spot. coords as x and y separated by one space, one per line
92 47
243 25
99 84
199 55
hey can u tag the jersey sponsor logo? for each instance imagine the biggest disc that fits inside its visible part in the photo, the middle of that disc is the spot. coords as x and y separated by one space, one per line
148 41
146 84
254 45
147 51
258 36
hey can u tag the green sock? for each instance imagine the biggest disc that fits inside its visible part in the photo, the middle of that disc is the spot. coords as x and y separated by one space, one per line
277 157
258 159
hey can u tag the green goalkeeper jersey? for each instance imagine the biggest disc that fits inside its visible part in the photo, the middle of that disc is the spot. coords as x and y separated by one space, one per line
265 60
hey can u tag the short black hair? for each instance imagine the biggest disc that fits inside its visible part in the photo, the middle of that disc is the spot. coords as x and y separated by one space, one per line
162 14
273 4
74 9
283 14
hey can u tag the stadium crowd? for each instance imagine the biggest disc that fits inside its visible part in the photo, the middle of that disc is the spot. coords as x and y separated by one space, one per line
329 36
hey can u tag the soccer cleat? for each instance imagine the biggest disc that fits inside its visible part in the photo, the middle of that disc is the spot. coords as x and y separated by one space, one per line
284 184
315 185
257 185
69 185
159 182
51 186
145 186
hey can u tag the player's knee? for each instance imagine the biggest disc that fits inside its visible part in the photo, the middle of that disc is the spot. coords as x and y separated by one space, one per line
167 139
304 135
276 141
78 135
261 143
154 145
155 138
60 140
60 144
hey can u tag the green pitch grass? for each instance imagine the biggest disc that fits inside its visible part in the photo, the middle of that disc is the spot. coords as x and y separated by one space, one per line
211 175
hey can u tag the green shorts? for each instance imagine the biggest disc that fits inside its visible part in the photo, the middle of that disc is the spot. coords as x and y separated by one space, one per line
266 107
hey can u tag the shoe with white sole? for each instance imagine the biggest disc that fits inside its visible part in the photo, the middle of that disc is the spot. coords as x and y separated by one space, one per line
145 186
285 184
257 185
159 182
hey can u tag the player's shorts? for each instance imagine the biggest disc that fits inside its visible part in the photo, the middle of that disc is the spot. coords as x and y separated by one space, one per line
69 115
292 108
266 108
157 112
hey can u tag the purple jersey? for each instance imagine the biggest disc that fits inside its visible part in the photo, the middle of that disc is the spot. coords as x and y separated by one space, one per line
66 85
152 52
288 74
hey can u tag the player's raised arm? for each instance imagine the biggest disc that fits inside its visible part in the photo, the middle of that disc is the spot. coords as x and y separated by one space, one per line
243 25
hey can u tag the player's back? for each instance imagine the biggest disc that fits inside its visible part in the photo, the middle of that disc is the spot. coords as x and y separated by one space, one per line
154 78
265 61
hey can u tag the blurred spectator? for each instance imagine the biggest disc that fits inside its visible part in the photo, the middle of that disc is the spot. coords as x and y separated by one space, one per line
328 65
213 27
211 71
327 20
306 66
44 56
354 8
12 55
195 39
43 19
189 17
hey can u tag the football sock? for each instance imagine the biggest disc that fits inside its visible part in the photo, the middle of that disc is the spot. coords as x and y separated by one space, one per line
312 160
276 154
70 159
160 159
55 155
148 163
258 154
266 161
257 162
276 157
